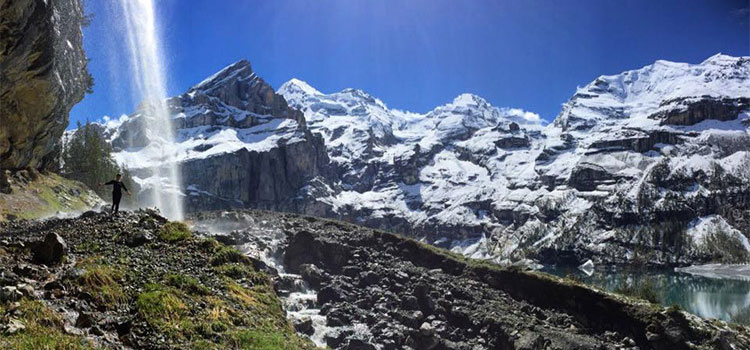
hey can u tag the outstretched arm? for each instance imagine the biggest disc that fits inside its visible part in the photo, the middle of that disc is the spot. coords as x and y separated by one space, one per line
110 182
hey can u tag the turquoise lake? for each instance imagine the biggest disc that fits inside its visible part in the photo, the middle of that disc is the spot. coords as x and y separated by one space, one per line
720 298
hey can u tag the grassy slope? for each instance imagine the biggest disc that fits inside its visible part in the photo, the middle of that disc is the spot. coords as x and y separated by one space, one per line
179 291
46 196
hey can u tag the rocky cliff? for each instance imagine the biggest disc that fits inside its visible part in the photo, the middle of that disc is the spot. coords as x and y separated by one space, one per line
42 75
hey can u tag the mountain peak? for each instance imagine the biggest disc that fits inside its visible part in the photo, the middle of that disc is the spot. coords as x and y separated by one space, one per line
467 99
722 59
297 87
237 70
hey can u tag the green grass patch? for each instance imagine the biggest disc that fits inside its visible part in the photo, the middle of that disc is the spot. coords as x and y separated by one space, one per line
226 254
102 281
259 340
209 245
241 271
239 318
88 247
259 306
175 231
163 309
43 331
186 283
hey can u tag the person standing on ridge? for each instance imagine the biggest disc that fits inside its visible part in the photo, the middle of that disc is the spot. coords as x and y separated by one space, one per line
117 187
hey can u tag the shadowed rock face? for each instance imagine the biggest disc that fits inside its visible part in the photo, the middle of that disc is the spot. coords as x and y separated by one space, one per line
262 179
42 75
692 111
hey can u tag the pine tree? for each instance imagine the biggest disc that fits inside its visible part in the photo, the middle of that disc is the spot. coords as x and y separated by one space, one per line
87 158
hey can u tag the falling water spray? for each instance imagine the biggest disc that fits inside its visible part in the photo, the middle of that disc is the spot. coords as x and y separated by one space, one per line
149 84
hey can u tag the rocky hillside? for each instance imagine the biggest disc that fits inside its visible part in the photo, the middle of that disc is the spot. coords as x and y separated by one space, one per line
372 289
650 164
137 282
43 75
144 283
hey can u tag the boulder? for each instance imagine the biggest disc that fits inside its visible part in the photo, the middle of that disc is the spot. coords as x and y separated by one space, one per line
139 238
313 275
14 326
26 290
51 250
9 294
304 325
84 320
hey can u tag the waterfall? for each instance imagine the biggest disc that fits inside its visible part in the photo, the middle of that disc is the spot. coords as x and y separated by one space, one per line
149 84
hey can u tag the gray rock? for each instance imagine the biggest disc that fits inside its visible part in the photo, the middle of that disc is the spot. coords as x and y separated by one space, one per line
313 275
14 326
50 251
304 325
687 111
84 320
10 294
26 289
139 238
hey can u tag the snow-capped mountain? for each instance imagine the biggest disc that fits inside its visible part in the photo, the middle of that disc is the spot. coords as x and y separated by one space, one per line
650 152
236 139
652 161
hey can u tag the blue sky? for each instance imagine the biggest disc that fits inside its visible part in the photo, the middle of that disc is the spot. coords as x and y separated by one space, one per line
417 54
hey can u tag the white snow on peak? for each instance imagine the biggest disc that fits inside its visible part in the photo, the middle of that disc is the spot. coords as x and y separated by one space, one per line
721 58
468 100
296 86
237 68
631 97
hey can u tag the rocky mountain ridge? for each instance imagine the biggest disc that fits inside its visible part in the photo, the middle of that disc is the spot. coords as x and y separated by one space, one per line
651 161
658 156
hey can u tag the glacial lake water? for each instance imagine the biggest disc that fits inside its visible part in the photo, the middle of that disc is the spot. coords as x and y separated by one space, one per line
727 299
